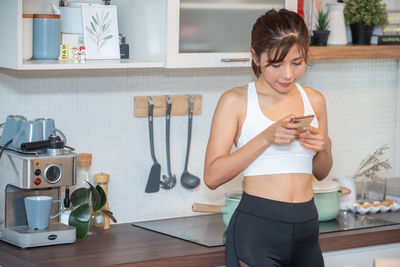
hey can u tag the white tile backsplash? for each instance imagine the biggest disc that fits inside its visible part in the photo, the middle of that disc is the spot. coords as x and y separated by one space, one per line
94 108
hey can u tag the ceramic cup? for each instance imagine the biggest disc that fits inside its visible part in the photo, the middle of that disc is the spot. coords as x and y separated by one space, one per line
11 127
30 131
38 211
49 129
71 18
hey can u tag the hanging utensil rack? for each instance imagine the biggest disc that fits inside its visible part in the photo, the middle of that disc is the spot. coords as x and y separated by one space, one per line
179 107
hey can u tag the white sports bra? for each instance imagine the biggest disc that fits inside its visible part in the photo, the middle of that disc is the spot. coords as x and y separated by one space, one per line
276 159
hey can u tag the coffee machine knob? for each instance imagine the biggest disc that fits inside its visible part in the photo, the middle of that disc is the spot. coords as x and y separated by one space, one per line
37 181
52 174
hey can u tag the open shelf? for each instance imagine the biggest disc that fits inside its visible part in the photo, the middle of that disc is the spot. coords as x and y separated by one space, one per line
354 52
89 64
225 6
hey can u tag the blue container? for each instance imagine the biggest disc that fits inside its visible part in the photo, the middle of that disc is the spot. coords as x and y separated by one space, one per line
46 36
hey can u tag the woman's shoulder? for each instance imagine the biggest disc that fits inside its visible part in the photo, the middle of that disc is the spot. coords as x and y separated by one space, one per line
316 98
234 96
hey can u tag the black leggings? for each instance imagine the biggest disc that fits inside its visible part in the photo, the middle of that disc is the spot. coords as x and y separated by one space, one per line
264 232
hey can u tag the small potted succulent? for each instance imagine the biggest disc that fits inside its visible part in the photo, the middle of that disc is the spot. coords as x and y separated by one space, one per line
321 33
86 203
362 16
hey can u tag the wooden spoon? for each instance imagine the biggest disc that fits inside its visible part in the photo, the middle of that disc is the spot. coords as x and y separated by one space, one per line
206 208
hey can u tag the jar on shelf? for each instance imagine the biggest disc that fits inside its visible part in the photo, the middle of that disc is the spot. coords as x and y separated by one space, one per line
46 36
84 175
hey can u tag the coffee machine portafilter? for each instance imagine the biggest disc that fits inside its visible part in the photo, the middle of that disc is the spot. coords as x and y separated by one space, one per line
24 175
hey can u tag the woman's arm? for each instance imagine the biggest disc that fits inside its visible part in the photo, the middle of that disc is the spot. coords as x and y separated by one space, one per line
318 138
222 166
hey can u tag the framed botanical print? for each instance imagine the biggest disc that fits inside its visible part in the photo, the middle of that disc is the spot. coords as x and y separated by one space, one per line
100 31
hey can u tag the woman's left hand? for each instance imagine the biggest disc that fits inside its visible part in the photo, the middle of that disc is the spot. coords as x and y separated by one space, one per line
313 138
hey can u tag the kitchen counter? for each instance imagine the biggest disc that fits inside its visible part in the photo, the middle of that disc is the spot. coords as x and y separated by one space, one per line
127 245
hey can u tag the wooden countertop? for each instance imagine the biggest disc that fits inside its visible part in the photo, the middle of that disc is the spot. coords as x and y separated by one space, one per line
127 245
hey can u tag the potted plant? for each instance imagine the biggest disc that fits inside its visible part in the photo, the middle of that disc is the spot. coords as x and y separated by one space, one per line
362 16
87 202
320 34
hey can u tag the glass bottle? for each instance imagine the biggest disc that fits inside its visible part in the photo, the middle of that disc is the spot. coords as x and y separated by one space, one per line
96 223
84 175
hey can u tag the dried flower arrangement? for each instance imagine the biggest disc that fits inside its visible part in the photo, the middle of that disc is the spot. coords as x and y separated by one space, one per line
373 164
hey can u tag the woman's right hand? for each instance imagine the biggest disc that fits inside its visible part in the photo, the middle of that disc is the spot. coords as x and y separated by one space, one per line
282 131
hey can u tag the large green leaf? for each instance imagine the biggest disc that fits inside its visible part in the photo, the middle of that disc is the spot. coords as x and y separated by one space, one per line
80 196
103 197
82 213
109 214
82 228
96 200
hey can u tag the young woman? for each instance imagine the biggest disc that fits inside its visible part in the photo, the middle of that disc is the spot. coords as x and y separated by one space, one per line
276 222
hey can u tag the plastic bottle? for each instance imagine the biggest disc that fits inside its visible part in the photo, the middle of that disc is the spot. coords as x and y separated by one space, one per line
84 175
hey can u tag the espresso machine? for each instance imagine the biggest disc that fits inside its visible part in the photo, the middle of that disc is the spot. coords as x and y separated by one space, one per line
39 168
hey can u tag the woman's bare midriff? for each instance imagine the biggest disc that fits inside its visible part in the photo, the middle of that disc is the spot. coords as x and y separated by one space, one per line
287 187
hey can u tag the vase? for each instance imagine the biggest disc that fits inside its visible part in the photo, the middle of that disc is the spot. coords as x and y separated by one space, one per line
96 223
361 34
337 26
319 38
347 200
370 190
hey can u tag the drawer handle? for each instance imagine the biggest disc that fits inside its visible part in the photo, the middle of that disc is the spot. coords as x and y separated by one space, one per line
235 59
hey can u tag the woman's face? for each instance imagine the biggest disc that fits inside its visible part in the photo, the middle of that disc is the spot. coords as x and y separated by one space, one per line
283 75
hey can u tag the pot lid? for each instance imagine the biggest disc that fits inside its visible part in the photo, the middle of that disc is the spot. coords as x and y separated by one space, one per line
325 186
234 196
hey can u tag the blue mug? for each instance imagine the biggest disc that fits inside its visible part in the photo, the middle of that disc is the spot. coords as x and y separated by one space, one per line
38 211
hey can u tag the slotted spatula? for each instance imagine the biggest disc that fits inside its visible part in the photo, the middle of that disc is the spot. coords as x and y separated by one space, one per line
153 183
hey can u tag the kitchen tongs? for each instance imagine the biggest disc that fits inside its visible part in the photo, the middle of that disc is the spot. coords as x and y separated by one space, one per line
154 181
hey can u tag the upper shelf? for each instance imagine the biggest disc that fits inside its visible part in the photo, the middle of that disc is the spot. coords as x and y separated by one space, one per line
225 6
350 52
89 64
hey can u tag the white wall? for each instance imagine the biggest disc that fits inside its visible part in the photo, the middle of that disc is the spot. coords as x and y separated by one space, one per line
95 110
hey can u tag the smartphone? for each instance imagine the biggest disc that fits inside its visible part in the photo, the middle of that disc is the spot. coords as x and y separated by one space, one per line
303 120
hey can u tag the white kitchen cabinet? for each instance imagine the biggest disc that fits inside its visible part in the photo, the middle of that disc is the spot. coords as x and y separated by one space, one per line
213 33
12 39
160 33
194 33
361 256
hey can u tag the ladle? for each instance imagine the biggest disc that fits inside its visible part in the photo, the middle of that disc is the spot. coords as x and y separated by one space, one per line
189 180
168 181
